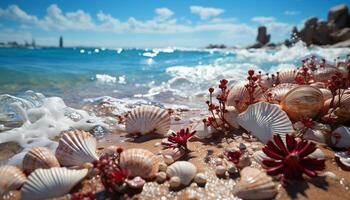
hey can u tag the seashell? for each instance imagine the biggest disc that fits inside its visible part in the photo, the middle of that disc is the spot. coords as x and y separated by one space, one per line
319 136
318 85
325 74
255 184
264 119
275 94
343 158
231 115
135 183
11 178
140 162
303 101
287 76
220 171
173 154
317 154
327 94
148 119
186 171
340 137
200 179
174 182
39 157
259 156
202 131
53 182
76 148
161 177
343 111
239 96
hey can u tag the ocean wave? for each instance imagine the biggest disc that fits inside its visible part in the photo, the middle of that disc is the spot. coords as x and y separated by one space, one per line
107 79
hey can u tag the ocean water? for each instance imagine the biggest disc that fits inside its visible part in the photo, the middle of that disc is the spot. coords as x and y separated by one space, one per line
168 75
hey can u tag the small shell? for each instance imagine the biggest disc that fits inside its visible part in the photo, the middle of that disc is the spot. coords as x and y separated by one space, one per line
325 74
255 184
140 162
200 179
76 148
161 177
186 171
238 96
318 85
303 101
11 178
275 94
343 111
202 131
343 158
39 157
148 119
174 182
49 183
264 119
327 94
231 115
287 76
341 137
220 171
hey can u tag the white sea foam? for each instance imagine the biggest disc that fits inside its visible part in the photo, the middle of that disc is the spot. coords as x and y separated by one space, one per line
104 78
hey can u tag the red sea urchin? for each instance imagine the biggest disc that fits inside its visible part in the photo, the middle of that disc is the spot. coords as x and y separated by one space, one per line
179 139
291 160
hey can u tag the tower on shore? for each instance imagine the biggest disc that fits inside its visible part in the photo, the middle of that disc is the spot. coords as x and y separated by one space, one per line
61 42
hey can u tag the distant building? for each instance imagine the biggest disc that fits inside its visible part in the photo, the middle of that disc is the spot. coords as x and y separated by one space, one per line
61 42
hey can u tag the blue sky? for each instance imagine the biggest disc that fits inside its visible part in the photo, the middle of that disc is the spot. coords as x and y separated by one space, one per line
154 23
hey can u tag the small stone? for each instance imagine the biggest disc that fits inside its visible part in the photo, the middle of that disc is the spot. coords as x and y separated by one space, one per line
136 183
120 188
330 175
161 177
88 166
200 179
232 170
98 131
162 167
220 171
157 144
174 182
168 159
244 161
221 155
218 162
242 146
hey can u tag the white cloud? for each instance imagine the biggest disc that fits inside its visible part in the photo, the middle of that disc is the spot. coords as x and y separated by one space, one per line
291 12
13 12
164 13
263 19
206 12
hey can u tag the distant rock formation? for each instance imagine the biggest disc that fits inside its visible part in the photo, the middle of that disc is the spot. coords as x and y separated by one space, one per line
216 46
61 42
262 39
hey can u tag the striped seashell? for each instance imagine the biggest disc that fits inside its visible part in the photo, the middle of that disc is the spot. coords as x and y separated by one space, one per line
239 96
287 76
76 148
148 119
264 119
140 162
340 137
186 171
318 85
325 74
327 94
39 157
275 94
11 178
303 102
255 184
344 101
50 183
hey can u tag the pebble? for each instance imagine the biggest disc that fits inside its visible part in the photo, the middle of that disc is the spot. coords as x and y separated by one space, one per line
200 179
157 144
161 177
244 161
220 171
168 159
232 170
174 182
242 146
218 162
98 131
162 167
88 166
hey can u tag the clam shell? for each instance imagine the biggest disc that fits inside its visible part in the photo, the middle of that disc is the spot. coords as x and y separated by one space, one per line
303 101
264 119
186 171
231 116
49 183
140 162
325 74
39 157
277 93
343 158
11 178
76 148
255 184
343 112
238 96
148 119
202 131
340 137
327 94
287 76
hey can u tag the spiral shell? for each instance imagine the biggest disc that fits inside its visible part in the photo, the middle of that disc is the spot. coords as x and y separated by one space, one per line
239 96
340 137
264 119
76 148
255 184
140 162
186 171
148 119
275 94
11 178
325 74
39 157
49 183
303 102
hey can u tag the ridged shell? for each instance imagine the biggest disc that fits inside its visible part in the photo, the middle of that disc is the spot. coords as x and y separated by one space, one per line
140 162
287 76
239 93
343 111
186 171
278 92
39 157
49 183
76 148
264 119
303 101
326 93
318 85
148 119
255 184
341 137
325 74
11 178
202 131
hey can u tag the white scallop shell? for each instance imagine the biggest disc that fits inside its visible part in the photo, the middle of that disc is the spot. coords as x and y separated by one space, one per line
11 178
49 183
186 171
140 162
255 184
278 92
231 116
39 157
287 76
148 119
264 119
343 133
76 148
239 93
